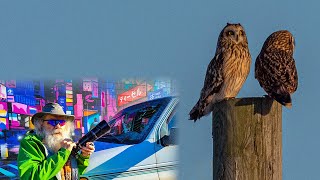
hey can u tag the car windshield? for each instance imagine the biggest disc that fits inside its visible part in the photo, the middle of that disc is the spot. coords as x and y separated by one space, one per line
133 124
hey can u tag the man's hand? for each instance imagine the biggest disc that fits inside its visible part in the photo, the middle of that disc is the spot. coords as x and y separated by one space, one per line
68 144
88 149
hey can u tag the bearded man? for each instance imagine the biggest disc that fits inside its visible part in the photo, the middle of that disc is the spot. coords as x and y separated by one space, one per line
45 152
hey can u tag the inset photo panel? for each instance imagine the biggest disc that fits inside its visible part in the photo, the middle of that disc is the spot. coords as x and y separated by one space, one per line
89 128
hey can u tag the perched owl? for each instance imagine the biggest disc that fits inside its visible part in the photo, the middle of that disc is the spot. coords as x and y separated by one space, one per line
275 68
226 72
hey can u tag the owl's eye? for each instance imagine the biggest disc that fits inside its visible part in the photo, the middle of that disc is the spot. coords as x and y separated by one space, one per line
230 33
241 33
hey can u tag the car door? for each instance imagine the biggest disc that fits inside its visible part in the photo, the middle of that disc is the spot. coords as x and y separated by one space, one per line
124 162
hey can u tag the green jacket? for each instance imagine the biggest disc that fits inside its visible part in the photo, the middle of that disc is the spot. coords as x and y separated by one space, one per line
33 163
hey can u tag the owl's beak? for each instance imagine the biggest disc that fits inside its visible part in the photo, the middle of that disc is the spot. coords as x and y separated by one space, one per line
237 39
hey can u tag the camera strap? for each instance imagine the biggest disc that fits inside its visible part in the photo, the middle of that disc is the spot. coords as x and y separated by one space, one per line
70 169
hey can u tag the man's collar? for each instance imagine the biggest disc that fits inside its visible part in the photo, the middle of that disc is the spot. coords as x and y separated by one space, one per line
33 132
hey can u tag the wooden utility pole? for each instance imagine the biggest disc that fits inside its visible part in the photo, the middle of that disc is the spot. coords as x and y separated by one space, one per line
247 139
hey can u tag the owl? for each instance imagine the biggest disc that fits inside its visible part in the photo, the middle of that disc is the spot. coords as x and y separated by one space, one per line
226 72
275 67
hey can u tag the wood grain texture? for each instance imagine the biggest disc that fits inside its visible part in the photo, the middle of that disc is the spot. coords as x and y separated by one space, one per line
247 139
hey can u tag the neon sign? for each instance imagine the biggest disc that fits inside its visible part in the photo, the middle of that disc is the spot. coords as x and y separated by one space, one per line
133 94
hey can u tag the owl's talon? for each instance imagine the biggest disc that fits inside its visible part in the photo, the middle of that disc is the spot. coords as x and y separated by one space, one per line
228 98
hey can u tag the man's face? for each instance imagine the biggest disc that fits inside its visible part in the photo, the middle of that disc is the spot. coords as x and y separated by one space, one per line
53 130
54 134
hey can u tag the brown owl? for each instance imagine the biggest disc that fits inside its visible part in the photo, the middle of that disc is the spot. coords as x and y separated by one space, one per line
275 67
226 72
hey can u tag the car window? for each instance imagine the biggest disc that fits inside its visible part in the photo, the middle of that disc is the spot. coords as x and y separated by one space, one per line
133 124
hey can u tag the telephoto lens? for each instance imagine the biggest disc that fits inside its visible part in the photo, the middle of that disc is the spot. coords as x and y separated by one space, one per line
101 129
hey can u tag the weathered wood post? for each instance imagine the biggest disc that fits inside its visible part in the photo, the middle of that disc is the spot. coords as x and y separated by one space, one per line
247 139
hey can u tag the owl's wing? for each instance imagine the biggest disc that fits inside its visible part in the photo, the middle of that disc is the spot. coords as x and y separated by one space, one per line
283 72
277 74
212 84
214 78
293 74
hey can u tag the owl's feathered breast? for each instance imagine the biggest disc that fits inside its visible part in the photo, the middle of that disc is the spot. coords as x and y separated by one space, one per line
237 62
228 70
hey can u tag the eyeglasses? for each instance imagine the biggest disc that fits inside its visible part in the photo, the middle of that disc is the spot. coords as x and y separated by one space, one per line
54 122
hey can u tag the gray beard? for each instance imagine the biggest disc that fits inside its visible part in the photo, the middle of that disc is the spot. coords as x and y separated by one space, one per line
52 141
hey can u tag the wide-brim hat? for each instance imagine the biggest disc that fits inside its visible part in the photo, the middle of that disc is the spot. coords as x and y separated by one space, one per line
52 109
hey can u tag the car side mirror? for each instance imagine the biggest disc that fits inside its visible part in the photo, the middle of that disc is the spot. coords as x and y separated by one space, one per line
171 139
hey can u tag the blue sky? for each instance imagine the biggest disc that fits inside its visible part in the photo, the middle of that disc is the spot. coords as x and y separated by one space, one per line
169 38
